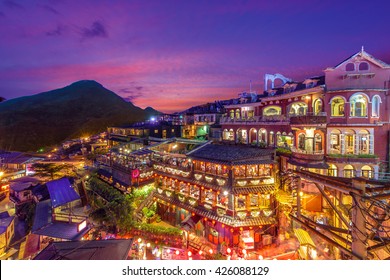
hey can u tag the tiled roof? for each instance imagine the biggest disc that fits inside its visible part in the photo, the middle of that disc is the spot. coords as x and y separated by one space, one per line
227 220
113 249
258 189
231 153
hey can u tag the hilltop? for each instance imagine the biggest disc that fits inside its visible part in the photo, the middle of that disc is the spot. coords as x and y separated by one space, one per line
82 108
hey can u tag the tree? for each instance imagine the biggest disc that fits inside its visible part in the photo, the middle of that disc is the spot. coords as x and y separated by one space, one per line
2 99
110 207
52 170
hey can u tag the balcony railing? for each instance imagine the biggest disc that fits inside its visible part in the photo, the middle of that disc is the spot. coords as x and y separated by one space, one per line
307 155
255 119
308 118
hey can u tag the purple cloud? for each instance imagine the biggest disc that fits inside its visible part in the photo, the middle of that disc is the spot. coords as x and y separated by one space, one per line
97 29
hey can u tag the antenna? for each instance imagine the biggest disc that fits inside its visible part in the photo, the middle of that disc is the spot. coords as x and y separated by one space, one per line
250 86
362 48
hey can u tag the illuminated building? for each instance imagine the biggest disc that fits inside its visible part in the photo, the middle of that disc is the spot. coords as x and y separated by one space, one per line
224 193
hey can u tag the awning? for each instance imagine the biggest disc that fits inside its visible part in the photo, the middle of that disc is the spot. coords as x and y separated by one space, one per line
303 237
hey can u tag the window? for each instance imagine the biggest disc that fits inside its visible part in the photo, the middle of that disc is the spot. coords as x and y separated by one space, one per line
350 67
272 111
156 131
301 141
363 66
317 106
263 136
318 142
363 142
337 107
298 109
335 147
349 142
271 138
349 171
228 135
375 106
231 114
367 171
332 171
173 130
238 114
358 104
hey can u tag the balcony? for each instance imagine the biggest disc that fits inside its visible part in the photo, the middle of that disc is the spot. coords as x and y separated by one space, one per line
255 120
307 155
308 118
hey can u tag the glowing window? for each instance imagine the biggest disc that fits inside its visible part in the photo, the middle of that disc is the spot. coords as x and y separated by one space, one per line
337 107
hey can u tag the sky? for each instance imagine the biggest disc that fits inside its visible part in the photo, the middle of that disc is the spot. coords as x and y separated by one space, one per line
172 55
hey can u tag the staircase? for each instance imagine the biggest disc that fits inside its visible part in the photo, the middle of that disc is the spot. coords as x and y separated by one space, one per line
148 201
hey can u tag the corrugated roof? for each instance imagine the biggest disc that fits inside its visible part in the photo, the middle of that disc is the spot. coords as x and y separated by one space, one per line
61 192
63 230
42 215
5 221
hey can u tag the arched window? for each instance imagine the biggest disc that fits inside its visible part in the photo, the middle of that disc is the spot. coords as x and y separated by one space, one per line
318 142
298 109
279 139
367 171
358 104
349 171
337 107
317 106
332 170
228 135
232 114
335 147
263 136
271 138
350 67
301 141
376 100
238 114
242 136
349 137
363 66
363 142
272 111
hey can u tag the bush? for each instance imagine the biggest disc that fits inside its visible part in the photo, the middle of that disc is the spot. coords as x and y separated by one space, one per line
283 151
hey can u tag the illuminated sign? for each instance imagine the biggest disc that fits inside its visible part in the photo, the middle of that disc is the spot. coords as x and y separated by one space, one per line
82 226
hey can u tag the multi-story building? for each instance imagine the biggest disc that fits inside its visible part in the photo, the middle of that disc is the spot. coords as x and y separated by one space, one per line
339 122
224 193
